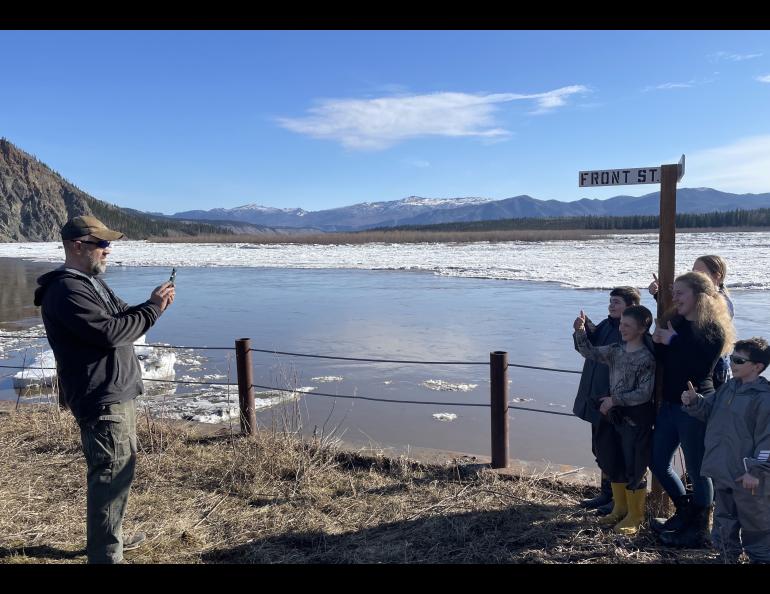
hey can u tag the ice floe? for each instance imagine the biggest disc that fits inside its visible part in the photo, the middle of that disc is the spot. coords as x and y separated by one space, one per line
599 263
441 385
325 379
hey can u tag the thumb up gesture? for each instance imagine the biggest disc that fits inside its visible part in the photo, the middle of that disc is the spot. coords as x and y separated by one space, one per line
654 285
663 335
689 396
580 322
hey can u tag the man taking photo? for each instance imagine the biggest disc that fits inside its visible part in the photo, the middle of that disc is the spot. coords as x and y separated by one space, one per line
91 332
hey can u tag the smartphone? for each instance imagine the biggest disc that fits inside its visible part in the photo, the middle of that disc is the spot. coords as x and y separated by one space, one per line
172 278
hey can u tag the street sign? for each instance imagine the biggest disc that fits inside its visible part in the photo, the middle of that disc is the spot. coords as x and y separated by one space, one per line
667 176
620 177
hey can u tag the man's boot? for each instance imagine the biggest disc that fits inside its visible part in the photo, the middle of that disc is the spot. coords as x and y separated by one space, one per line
603 498
694 535
682 503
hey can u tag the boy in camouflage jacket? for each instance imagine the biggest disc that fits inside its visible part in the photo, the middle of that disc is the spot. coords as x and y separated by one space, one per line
628 406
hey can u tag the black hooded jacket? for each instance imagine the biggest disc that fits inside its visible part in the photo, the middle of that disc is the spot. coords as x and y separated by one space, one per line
92 339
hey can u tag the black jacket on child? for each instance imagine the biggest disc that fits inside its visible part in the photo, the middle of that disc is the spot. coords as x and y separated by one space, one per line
595 379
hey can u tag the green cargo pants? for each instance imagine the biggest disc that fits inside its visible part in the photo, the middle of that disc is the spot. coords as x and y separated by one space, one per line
109 445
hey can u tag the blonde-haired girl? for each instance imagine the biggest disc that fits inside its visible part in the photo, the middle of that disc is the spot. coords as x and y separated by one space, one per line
691 338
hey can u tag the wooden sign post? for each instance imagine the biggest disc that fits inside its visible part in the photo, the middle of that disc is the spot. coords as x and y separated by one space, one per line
667 176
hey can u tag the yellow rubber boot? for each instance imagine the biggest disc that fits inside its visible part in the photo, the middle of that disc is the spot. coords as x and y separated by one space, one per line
620 505
632 522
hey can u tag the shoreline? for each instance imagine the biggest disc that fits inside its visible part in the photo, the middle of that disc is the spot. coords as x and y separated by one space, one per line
407 237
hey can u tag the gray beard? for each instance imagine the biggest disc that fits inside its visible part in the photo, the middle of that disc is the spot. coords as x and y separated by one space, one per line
98 268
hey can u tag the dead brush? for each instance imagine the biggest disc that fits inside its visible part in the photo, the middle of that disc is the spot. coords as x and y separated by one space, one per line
214 497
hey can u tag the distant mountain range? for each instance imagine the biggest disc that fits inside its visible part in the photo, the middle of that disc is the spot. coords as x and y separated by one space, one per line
427 211
35 202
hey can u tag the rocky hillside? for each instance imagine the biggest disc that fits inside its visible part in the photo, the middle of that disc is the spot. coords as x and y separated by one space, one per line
35 202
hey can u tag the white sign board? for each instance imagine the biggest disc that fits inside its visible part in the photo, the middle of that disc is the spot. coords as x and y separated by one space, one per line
619 177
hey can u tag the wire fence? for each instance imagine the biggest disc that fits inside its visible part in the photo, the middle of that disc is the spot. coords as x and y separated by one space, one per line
511 405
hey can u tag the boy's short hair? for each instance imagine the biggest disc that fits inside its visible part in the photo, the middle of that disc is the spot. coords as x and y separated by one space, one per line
629 294
757 348
641 314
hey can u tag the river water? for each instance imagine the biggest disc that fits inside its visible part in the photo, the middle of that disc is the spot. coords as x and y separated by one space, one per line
407 312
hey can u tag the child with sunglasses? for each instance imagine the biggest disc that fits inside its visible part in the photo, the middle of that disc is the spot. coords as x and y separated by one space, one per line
737 446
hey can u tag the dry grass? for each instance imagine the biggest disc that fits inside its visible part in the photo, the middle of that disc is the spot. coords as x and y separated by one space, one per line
283 499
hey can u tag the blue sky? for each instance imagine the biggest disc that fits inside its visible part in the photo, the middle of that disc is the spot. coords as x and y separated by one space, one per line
176 120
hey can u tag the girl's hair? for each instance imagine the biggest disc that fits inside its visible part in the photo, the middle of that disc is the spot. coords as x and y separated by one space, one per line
716 265
712 319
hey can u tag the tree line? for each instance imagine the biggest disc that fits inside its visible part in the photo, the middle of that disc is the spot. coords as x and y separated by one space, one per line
141 226
733 218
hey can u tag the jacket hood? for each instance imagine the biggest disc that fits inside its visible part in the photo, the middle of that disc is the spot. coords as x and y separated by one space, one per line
45 280
761 385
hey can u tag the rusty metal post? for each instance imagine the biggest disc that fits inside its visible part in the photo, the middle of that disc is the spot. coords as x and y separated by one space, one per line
659 501
245 390
498 371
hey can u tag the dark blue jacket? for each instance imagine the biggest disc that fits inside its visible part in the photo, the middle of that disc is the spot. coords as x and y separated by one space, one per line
595 380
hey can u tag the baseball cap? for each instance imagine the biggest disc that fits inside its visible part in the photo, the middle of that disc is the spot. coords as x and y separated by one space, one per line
87 225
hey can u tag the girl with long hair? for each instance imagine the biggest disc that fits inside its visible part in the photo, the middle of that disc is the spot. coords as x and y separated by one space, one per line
693 335
716 269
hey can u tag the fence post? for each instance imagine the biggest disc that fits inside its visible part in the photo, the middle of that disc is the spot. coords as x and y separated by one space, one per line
498 370
245 390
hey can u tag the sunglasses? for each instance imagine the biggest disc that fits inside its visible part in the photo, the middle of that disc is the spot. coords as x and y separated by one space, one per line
102 243
740 360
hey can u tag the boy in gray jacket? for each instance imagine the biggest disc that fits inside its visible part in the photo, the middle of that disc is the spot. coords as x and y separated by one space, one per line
737 444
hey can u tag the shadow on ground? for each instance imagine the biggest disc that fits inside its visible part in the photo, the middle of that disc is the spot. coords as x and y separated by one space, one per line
520 534
41 552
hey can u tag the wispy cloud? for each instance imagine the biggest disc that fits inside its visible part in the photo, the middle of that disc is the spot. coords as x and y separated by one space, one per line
552 99
670 85
681 85
372 124
732 57
765 78
740 167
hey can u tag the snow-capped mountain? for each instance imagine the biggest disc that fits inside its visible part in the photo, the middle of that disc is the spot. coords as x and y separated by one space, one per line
416 210
358 216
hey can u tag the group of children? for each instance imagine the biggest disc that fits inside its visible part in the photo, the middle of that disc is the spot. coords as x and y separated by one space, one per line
718 412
